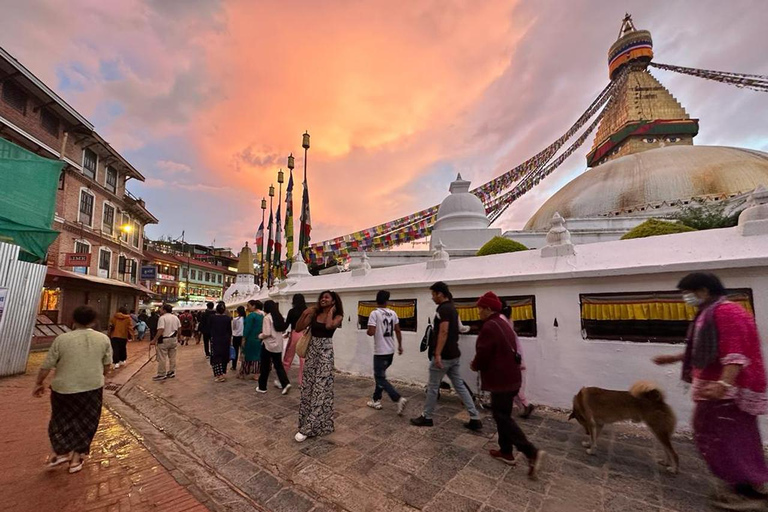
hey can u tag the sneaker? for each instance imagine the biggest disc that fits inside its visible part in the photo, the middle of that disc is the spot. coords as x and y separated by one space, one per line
159 377
506 458
474 425
277 384
299 437
401 406
170 375
527 411
534 464
421 421
285 389
734 501
117 365
374 404
259 390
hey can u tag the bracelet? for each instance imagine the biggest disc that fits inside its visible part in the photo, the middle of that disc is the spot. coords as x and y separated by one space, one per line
725 384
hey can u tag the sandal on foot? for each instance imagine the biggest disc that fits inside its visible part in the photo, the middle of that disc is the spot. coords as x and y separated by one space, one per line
58 460
74 468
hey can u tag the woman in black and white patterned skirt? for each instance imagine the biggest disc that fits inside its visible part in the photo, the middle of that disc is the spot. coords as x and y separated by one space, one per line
316 405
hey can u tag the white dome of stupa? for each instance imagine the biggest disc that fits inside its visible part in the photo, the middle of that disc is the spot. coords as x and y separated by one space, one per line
461 209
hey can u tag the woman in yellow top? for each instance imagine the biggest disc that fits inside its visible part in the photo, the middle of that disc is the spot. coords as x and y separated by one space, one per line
81 358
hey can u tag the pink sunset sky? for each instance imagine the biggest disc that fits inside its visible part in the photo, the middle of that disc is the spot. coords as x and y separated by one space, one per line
208 98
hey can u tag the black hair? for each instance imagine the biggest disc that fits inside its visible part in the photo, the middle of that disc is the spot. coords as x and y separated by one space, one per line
506 309
133 311
699 280
299 302
273 308
240 311
123 310
256 303
209 305
167 308
221 308
336 300
382 297
441 287
84 315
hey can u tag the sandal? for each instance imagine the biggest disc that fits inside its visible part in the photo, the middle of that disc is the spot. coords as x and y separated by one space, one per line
74 468
58 460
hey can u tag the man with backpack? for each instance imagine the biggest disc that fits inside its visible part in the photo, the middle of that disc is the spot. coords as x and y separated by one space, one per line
445 359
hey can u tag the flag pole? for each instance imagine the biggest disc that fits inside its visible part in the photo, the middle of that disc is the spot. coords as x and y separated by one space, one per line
261 244
289 215
303 238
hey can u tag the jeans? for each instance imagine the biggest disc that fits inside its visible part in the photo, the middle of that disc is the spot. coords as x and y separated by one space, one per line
510 433
450 368
166 356
237 341
267 360
207 343
380 365
119 350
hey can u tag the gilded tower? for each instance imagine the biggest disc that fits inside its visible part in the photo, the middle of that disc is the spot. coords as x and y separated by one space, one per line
643 114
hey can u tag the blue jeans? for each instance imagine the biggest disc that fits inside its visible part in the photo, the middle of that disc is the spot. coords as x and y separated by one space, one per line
380 365
450 368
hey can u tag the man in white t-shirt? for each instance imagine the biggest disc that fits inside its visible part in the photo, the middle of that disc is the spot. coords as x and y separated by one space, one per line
168 327
384 326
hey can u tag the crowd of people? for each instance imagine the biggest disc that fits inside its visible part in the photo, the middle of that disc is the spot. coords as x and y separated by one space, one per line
722 361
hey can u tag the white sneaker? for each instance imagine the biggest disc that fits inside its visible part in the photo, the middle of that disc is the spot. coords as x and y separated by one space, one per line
299 437
401 406
117 365
258 390
286 388
374 404
277 384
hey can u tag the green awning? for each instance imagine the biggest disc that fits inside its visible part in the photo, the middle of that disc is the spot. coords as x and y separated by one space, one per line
28 185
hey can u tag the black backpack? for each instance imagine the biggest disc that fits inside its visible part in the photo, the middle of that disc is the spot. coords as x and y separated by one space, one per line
426 338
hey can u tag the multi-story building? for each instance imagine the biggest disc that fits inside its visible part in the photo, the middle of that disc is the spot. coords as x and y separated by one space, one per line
95 213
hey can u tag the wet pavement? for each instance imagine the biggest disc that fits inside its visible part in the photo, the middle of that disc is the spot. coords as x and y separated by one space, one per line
237 447
121 474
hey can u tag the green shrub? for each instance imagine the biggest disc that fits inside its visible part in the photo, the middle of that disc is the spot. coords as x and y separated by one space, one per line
702 215
499 245
655 227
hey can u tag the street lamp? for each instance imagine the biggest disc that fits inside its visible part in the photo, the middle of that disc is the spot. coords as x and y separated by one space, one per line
280 181
269 263
261 268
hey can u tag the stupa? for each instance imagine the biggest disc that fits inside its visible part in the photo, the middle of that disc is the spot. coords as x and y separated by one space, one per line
245 282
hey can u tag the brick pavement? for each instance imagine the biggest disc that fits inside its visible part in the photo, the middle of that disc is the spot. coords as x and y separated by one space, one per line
243 444
121 474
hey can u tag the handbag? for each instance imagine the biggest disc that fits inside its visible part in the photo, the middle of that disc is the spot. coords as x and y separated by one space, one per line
303 344
425 339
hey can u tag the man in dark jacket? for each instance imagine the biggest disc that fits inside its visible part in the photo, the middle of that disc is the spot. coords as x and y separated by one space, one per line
205 328
498 362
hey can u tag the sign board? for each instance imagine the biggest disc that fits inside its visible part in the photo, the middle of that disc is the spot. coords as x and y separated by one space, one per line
148 273
77 259
166 277
3 298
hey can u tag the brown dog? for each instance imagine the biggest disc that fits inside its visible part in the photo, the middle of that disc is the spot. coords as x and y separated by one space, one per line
644 402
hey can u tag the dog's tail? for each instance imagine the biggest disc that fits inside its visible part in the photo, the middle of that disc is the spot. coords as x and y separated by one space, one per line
647 389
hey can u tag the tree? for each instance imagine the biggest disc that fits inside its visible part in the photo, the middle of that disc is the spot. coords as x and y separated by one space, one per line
707 215
656 227
499 245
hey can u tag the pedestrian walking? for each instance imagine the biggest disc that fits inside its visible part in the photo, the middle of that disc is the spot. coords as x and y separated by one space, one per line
724 365
251 351
445 357
384 326
81 358
141 329
152 324
120 331
498 361
299 305
237 334
221 340
205 328
316 404
272 349
520 400
187 325
166 340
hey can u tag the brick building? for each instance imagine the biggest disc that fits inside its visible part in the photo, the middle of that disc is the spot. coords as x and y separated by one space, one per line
95 213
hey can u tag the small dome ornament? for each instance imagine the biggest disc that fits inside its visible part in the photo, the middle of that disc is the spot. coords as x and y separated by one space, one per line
365 265
558 239
440 257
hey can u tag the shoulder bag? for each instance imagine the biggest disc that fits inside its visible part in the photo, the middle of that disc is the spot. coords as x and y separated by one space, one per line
303 344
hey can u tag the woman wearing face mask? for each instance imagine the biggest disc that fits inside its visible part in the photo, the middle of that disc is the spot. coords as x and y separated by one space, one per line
316 405
723 362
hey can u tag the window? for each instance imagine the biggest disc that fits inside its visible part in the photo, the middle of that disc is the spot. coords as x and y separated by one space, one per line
523 314
405 310
90 160
81 247
86 208
135 234
207 277
219 278
108 219
133 271
111 179
121 264
193 273
50 122
15 96
105 260
61 180
124 235
643 317
184 273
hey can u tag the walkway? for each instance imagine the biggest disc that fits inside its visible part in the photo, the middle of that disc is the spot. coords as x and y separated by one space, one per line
376 461
121 475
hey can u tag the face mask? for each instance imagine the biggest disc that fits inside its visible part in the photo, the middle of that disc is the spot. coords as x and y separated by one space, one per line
692 299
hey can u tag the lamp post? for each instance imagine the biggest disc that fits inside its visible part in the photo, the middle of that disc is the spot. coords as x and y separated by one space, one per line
269 263
261 249
289 257
280 180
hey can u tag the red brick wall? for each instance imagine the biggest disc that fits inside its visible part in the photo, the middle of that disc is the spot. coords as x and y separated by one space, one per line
30 122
